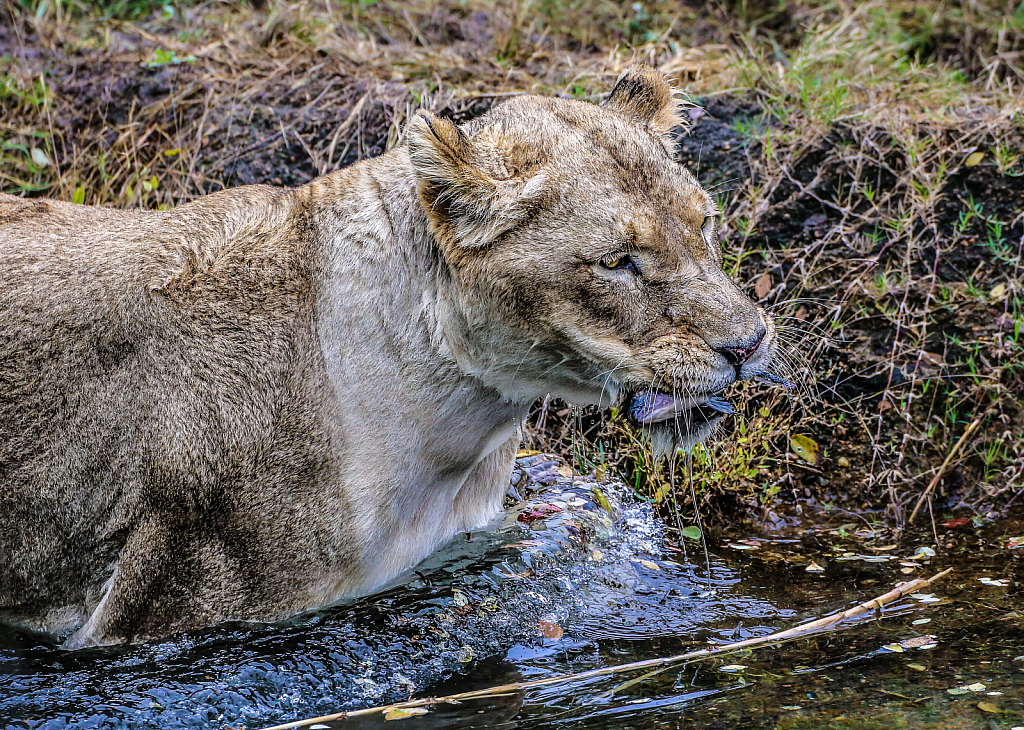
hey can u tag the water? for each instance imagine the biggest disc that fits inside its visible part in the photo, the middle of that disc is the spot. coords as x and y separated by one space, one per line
558 592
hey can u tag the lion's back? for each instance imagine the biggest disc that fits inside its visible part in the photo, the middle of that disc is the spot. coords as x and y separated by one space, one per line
136 348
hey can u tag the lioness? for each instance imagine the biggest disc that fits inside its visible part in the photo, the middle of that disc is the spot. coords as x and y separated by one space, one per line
269 399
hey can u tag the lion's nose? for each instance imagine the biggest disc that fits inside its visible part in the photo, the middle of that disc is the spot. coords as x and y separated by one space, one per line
738 353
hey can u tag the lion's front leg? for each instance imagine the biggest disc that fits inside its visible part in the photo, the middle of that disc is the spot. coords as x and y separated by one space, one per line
171 577
484 490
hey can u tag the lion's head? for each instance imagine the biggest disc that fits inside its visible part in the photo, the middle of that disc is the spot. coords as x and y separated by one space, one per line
586 259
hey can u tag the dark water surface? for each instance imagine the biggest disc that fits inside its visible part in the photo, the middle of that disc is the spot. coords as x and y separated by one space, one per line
574 590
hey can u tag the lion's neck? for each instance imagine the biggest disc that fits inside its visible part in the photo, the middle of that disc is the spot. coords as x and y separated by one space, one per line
426 441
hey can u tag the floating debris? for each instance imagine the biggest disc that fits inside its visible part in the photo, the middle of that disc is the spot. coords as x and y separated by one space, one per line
399 713
997 582
919 642
966 689
691 532
649 564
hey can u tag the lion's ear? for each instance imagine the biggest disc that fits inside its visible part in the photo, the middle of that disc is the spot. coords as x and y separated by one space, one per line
643 95
468 206
441 155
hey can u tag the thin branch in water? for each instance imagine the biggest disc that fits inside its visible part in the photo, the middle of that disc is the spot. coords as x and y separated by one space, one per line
826 623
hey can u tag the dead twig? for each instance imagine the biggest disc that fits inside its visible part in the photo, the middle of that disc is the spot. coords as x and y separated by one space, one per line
942 469
805 629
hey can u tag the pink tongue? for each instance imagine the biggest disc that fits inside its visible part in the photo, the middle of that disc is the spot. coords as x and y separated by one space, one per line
650 407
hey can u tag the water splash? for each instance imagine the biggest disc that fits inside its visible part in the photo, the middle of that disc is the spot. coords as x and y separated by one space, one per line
576 557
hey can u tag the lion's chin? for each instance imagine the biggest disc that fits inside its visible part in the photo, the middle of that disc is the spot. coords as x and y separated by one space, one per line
667 437
676 422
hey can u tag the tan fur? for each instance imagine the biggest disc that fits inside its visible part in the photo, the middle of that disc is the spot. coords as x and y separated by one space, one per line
266 400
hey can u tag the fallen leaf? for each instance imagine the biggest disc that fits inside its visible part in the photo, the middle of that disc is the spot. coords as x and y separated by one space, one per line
893 647
917 667
40 158
602 500
932 358
957 522
920 621
998 291
549 629
596 555
988 707
915 642
814 568
805 447
531 516
692 532
843 461
998 582
974 158
976 687
648 564
403 713
763 285
732 668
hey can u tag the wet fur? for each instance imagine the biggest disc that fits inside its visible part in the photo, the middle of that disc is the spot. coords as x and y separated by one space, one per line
267 399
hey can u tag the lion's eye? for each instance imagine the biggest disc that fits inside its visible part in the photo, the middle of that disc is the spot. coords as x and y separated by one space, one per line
619 261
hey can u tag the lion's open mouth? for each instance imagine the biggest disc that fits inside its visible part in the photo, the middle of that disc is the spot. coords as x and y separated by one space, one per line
646 407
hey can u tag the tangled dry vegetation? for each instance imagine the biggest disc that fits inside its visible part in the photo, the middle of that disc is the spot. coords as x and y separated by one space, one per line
868 158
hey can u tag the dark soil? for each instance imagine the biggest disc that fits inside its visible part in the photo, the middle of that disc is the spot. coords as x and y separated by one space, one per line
284 124
969 355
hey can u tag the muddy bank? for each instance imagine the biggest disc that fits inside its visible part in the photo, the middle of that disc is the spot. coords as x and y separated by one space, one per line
898 284
921 307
